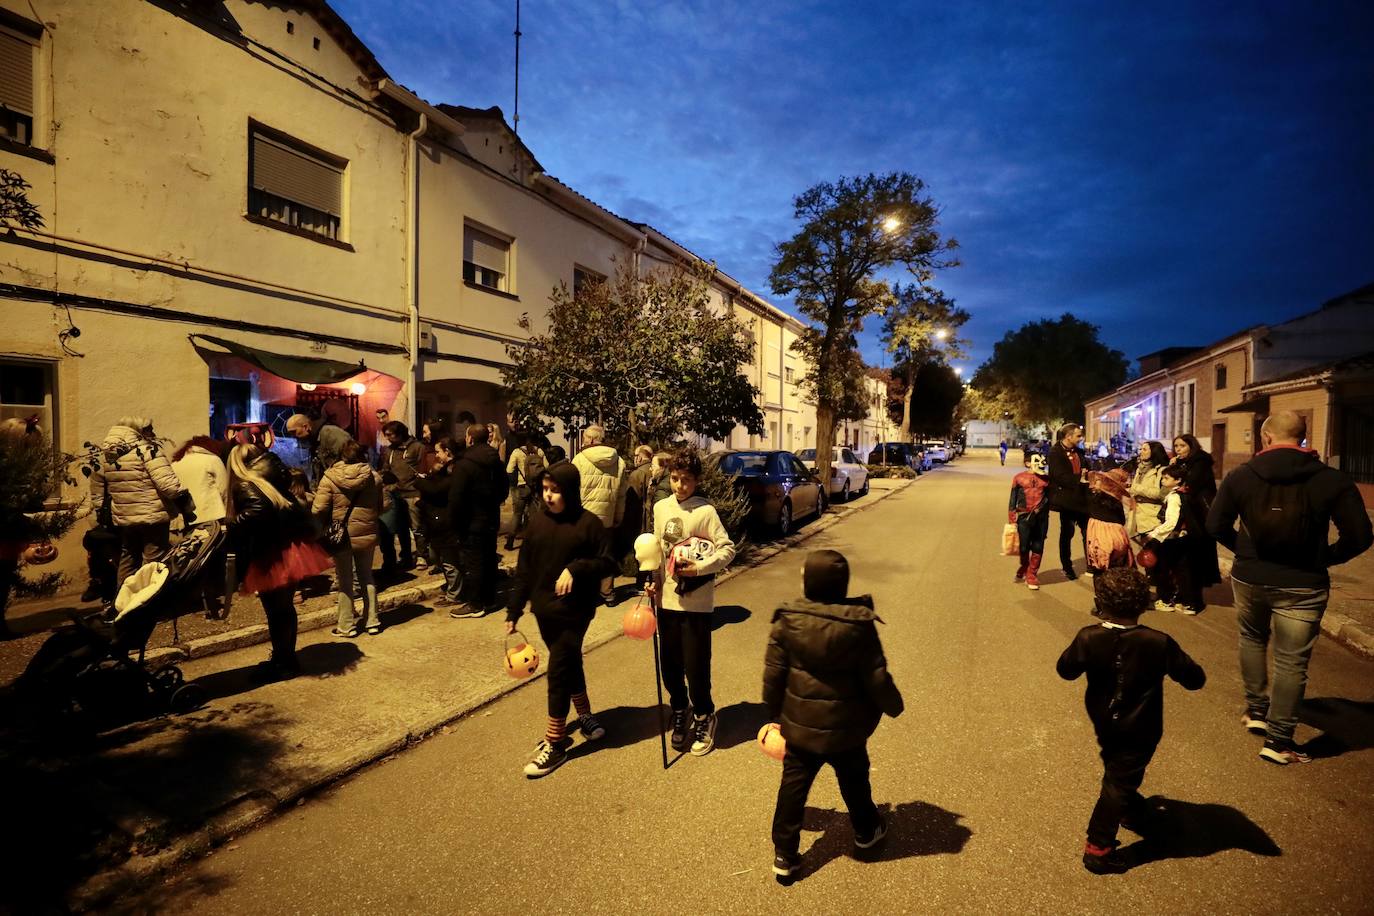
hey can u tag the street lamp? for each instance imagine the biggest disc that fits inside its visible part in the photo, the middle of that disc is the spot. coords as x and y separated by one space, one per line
942 334
958 370
892 224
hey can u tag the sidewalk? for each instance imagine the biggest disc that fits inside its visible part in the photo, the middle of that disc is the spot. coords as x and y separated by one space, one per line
145 796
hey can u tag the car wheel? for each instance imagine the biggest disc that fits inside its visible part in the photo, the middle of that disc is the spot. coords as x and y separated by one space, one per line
785 520
863 491
844 493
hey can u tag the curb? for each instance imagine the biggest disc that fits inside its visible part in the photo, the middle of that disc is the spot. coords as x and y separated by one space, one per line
1344 630
258 806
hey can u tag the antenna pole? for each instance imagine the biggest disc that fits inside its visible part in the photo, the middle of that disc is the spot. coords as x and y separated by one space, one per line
517 68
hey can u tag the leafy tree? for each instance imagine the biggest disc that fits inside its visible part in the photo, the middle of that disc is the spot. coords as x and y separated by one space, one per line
32 471
921 319
16 211
938 392
645 357
1044 371
851 230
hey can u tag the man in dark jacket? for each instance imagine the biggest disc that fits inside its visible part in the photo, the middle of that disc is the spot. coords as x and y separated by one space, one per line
399 465
1286 500
1069 493
474 505
825 680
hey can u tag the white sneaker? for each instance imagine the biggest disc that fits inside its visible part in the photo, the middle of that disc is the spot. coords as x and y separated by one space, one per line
548 757
1164 606
703 735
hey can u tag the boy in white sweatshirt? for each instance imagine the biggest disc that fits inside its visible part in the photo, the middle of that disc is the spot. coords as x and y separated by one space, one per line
696 546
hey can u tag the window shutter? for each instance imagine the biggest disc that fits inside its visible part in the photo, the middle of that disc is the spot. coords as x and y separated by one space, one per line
296 176
16 74
484 250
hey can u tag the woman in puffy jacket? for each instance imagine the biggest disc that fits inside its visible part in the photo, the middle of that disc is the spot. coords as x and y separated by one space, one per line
274 544
1145 488
199 465
144 492
352 491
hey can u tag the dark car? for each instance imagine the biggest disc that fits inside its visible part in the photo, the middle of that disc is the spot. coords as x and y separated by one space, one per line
781 488
902 453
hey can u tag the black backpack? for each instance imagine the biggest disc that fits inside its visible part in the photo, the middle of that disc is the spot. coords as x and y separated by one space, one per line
1280 522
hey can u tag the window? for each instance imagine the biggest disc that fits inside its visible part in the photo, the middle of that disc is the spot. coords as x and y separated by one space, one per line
1181 416
16 86
582 278
26 390
848 456
773 434
790 375
486 259
291 184
1221 376
791 436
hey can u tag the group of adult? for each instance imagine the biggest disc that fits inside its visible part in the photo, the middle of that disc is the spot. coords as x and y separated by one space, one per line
1285 500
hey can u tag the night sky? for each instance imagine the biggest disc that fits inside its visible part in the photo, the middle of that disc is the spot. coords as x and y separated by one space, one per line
1170 172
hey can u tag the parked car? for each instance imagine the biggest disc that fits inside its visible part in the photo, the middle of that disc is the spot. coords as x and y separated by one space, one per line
937 452
781 488
904 453
848 475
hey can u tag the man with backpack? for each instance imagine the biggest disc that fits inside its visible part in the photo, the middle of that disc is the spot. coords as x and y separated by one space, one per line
1286 499
523 469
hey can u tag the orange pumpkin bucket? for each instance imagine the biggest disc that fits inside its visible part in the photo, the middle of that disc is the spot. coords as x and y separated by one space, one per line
639 621
522 659
771 741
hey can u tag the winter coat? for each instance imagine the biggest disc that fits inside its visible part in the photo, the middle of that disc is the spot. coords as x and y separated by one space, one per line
144 490
603 483
1330 495
1068 492
477 490
259 530
404 461
639 504
825 678
204 476
434 516
359 483
1149 498
329 441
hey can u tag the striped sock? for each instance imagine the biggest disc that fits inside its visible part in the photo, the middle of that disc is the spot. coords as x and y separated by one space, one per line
557 729
582 704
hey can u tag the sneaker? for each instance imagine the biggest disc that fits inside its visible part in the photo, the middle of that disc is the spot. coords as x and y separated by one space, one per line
878 833
786 866
679 739
703 735
350 633
1187 611
465 610
421 563
91 593
1104 861
446 601
374 630
608 599
1165 606
1033 586
1019 577
1255 724
591 729
1070 575
548 756
1283 754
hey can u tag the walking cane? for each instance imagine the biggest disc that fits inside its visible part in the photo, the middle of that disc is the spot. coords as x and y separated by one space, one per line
650 557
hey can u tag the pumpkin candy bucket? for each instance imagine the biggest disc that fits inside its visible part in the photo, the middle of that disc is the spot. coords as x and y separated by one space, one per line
771 741
522 659
639 621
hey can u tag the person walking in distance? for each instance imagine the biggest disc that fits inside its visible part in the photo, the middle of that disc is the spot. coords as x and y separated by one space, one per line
474 503
523 469
603 487
1028 510
1286 499
1069 493
695 546
1126 664
350 494
825 682
1002 452
565 553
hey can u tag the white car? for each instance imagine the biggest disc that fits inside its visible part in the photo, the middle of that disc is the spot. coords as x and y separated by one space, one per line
936 451
848 475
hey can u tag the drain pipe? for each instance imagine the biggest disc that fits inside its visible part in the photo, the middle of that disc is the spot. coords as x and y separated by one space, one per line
413 267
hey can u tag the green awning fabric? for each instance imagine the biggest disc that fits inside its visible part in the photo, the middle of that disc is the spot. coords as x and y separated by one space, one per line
310 370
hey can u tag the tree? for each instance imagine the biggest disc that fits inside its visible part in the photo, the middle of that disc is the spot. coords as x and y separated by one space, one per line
15 209
645 357
921 318
851 230
939 390
32 472
1045 370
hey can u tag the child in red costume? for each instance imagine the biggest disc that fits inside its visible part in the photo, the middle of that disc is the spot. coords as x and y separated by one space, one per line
1028 509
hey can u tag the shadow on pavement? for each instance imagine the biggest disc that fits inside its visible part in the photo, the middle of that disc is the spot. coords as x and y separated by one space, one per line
1187 830
913 829
727 614
738 724
625 725
1345 725
326 659
403 614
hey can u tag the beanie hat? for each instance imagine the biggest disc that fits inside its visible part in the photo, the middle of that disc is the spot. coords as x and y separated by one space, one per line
825 577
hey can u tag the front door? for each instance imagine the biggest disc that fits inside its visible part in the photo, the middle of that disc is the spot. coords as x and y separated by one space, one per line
1218 448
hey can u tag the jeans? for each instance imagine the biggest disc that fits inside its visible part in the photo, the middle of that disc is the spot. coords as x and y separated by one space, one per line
685 641
141 544
1294 617
450 564
348 563
1067 522
566 676
417 523
799 769
394 523
477 552
520 512
1123 770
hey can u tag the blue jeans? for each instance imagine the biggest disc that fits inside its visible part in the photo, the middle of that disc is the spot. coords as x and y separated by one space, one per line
1294 617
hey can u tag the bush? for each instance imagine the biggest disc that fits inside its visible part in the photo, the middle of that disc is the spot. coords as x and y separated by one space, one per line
732 503
895 471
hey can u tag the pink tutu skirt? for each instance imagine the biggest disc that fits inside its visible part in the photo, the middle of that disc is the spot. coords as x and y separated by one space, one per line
1108 545
301 560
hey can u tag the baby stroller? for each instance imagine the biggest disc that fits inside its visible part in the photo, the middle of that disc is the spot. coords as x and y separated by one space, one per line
86 674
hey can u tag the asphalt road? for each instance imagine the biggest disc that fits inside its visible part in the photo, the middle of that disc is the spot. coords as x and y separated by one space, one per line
989 776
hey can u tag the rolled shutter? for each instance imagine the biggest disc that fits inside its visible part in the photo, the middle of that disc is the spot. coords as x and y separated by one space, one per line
484 250
16 74
296 176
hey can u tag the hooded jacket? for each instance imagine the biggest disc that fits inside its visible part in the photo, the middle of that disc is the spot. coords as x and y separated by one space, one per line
403 461
573 539
603 483
143 487
477 490
204 476
825 678
1148 493
1332 497
359 483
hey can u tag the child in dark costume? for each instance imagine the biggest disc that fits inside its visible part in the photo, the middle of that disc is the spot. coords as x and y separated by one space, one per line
1029 511
1108 543
1125 664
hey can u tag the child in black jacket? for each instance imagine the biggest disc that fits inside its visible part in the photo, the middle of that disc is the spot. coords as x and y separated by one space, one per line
1126 664
825 681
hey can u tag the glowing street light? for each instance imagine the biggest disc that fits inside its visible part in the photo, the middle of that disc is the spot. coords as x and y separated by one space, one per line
942 334
958 370
892 224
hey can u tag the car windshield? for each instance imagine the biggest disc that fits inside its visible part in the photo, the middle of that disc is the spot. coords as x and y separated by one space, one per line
745 464
807 454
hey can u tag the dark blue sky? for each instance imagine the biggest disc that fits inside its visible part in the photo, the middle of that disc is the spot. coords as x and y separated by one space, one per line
1170 172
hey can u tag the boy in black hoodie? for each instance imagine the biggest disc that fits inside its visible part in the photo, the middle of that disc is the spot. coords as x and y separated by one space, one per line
1126 664
825 681
565 555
